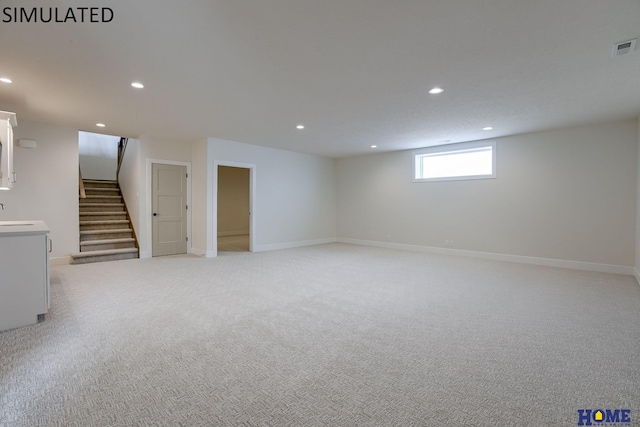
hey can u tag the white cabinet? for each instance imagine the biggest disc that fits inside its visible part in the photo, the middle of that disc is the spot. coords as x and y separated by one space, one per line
24 273
7 175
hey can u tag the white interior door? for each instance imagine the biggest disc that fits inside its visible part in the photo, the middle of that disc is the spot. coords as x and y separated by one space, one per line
169 204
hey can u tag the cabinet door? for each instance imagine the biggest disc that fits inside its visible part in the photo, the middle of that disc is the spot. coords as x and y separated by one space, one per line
7 174
12 175
5 182
23 291
47 253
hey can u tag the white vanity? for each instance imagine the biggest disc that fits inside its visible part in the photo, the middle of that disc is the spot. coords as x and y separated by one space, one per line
24 272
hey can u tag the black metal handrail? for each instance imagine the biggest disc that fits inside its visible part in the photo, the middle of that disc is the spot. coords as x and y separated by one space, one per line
122 146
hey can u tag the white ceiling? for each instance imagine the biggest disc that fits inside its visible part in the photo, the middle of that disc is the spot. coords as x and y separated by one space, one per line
354 72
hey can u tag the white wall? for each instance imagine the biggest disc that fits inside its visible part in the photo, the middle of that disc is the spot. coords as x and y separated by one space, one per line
233 201
131 178
637 260
47 184
200 199
294 194
566 194
139 183
98 155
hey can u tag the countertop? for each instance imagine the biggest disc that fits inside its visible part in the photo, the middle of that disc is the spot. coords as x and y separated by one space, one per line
22 228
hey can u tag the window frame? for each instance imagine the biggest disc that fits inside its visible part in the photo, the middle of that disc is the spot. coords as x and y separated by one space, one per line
450 148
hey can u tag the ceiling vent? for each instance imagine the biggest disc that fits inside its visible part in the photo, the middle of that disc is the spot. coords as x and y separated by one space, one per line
623 48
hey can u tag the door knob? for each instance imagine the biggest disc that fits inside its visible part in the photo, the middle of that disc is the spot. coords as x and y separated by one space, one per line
155 214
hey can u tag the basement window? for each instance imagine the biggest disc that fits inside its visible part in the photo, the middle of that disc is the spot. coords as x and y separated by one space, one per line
471 160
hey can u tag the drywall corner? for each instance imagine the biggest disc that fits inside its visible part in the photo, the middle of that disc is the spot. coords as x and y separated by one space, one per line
637 248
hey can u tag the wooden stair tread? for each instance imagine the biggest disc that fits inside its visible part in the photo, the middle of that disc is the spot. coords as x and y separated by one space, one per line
95 205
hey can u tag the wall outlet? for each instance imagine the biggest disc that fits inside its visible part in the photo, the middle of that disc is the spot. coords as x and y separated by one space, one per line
449 243
388 237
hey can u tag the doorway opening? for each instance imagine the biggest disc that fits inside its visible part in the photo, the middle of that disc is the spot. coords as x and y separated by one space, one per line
233 209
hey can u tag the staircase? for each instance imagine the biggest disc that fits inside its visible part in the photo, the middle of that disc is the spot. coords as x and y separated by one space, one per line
106 233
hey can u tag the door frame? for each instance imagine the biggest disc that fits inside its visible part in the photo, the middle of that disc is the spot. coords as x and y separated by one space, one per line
149 204
214 199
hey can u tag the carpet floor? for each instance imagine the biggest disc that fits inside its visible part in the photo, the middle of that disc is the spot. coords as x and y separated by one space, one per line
329 335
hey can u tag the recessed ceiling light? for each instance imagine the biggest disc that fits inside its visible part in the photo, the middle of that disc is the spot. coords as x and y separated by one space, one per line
436 90
100 125
5 80
300 127
374 146
488 128
137 85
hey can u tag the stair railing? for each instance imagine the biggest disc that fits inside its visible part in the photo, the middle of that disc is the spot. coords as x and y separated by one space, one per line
122 146
83 194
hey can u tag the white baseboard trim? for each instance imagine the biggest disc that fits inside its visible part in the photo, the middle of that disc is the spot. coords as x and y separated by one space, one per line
63 260
636 274
194 251
233 233
202 253
198 252
547 262
289 245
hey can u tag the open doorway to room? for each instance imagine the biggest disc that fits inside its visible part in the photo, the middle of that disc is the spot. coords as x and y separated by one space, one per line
234 209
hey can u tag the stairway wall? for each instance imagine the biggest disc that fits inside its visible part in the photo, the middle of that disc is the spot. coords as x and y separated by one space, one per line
130 178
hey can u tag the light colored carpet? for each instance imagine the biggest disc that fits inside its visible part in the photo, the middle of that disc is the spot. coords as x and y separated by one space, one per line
331 335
